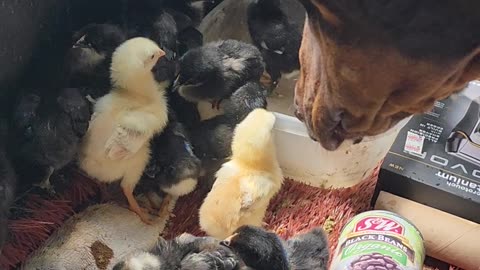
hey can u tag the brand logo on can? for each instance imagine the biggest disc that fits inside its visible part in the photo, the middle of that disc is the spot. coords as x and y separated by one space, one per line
379 224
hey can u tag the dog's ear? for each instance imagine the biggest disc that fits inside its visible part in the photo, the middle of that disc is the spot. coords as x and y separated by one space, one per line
316 9
472 70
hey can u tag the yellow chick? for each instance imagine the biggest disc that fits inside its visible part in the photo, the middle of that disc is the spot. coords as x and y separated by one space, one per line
245 184
117 143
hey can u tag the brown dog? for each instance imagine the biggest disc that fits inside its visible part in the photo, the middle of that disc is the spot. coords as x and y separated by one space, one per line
365 65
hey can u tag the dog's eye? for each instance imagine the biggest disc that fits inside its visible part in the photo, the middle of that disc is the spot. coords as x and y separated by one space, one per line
153 56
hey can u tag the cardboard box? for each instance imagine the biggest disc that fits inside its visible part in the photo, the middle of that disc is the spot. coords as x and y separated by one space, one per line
447 237
435 159
435 163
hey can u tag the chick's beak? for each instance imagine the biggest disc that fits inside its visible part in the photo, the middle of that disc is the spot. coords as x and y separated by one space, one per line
228 240
160 53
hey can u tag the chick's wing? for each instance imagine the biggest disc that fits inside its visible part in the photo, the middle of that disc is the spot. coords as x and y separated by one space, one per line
132 132
124 143
253 189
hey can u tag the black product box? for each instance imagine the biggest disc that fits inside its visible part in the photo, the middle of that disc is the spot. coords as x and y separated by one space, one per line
435 159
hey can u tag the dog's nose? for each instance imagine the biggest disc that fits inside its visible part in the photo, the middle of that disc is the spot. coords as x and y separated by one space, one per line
336 117
332 140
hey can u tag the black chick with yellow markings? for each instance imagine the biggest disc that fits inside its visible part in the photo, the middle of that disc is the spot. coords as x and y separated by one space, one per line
185 252
7 183
47 130
276 36
213 72
258 248
88 60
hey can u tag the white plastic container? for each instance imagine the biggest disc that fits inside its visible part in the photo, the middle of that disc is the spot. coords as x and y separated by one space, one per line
301 158
305 160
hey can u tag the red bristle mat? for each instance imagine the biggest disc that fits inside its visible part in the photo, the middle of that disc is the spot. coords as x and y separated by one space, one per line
297 208
42 215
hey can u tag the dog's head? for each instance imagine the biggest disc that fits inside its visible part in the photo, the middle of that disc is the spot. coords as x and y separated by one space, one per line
365 65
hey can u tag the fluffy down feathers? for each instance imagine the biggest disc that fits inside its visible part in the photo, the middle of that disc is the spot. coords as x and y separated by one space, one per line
244 100
258 248
309 250
89 59
275 35
185 252
214 71
261 249
47 131
126 119
173 167
117 144
245 184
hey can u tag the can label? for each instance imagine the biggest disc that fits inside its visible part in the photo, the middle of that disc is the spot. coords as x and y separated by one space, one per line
379 240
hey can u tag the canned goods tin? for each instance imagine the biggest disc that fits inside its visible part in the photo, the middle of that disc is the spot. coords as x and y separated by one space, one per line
379 240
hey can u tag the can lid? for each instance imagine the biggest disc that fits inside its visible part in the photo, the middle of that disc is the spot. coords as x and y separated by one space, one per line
390 213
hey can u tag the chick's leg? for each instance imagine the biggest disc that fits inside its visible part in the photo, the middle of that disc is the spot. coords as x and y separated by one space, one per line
45 184
164 207
155 200
266 80
216 104
132 202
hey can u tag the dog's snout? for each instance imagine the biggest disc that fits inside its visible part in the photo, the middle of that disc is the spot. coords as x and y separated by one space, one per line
299 115
332 140
298 112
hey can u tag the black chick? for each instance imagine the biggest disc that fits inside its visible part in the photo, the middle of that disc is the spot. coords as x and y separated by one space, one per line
245 99
173 167
7 184
88 61
164 71
309 250
258 248
148 18
164 32
212 138
276 36
182 20
214 71
187 8
188 39
186 112
48 130
183 252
